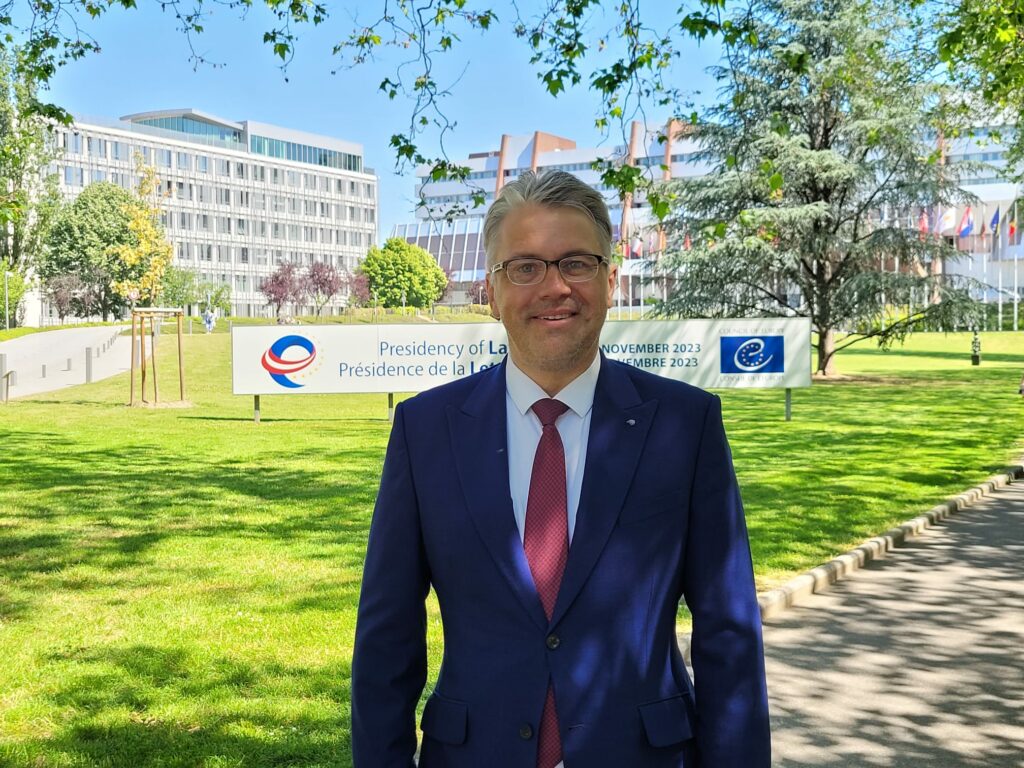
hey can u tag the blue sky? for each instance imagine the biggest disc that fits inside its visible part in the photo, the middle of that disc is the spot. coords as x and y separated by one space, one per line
144 65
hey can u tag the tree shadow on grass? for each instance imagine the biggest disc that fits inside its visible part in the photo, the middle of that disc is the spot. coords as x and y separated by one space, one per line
82 521
143 705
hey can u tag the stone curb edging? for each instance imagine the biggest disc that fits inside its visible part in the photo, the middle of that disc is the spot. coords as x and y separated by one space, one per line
819 579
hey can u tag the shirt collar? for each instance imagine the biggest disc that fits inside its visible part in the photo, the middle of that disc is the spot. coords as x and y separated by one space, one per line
578 394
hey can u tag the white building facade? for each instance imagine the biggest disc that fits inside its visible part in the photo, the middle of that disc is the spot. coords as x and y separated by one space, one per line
237 198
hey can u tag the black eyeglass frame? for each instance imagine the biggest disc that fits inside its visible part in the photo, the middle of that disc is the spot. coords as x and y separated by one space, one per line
548 264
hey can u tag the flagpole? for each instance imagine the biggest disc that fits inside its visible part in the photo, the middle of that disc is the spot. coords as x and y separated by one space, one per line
984 269
999 291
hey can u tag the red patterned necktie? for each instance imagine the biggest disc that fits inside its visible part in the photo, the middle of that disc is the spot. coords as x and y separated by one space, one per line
546 541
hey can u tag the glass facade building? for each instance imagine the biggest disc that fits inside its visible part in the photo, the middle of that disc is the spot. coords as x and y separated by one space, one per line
237 198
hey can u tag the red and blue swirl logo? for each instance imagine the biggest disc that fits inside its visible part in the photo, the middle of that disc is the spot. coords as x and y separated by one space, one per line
281 365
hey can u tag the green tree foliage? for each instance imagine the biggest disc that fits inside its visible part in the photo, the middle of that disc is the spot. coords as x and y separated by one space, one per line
401 269
29 198
86 240
824 156
16 288
214 296
982 41
610 48
179 287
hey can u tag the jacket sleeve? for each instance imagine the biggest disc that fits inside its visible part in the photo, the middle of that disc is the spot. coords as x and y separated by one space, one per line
389 661
726 648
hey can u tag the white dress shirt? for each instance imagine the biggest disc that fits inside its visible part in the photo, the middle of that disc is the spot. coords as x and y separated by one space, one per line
524 431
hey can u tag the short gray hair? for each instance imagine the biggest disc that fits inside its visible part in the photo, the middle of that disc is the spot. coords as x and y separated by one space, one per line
551 189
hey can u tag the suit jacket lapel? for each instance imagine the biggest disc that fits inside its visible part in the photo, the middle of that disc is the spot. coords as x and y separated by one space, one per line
618 430
479 433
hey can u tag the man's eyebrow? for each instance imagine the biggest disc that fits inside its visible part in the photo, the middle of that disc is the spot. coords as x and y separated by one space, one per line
566 255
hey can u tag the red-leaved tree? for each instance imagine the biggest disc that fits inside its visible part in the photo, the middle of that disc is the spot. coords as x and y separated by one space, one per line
358 289
284 286
323 283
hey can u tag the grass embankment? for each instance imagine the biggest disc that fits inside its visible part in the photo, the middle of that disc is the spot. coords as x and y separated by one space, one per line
178 586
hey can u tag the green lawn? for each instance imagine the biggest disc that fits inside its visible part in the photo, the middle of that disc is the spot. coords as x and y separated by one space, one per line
178 586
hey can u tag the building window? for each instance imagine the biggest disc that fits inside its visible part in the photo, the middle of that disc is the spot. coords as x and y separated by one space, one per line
202 164
184 161
96 147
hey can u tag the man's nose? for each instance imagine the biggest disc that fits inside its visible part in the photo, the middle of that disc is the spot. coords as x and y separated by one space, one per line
554 282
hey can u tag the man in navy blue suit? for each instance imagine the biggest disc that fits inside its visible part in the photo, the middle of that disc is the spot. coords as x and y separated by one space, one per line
560 505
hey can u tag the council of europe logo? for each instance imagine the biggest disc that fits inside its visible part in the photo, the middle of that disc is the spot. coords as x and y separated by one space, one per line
280 368
753 354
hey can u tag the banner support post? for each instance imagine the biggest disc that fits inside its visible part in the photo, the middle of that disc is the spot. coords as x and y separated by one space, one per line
391 407
255 409
789 404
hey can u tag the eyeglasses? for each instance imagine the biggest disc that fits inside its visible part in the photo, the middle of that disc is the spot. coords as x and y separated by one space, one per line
577 268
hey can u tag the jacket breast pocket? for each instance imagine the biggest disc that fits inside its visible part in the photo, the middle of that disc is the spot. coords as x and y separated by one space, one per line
667 722
646 507
444 720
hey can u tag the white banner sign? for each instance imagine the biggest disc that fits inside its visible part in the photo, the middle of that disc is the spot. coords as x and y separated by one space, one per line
316 359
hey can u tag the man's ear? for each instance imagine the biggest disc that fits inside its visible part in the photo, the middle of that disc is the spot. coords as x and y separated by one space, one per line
490 297
613 278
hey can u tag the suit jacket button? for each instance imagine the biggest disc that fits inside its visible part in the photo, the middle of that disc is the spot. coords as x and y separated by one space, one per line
552 642
525 732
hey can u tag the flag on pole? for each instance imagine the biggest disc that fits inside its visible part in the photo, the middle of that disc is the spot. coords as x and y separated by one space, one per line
966 223
638 248
994 224
687 242
1011 224
922 224
947 221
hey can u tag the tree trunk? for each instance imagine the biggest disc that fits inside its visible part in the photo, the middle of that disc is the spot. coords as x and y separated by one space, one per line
826 352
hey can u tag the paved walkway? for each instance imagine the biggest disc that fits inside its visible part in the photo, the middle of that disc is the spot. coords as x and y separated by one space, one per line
28 354
915 661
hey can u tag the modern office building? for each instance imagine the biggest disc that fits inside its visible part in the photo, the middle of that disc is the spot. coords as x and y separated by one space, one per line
238 198
456 241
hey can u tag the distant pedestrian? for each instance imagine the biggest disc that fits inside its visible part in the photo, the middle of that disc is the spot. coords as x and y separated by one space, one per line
208 321
1020 388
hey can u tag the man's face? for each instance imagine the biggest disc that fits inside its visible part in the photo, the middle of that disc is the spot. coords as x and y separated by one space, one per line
553 327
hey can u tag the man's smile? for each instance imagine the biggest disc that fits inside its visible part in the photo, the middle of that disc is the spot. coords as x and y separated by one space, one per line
556 316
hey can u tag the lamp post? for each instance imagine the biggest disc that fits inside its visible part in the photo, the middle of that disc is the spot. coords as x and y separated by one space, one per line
7 304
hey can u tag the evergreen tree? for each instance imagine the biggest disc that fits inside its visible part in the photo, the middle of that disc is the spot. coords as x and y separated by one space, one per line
826 151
